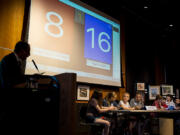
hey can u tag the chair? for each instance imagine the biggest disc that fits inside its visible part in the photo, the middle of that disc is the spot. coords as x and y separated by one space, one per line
95 128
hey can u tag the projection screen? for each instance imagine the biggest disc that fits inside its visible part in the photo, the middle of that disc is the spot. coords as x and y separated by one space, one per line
72 37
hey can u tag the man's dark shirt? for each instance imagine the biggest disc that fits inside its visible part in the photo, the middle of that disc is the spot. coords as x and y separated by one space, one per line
10 71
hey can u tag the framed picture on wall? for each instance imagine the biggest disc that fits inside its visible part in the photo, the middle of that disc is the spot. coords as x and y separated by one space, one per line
83 92
153 91
140 86
167 89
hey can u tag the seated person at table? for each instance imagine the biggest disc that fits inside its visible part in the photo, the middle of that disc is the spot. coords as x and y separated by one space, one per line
124 103
95 109
177 120
141 121
110 100
137 102
169 102
177 103
158 103
163 103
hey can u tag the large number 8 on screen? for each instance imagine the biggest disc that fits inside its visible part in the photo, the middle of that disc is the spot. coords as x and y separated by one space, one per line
57 24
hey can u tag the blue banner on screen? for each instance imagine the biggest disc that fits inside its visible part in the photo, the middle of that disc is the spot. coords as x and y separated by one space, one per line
98 40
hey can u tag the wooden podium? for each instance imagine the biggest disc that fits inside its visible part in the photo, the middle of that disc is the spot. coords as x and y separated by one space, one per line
47 110
67 118
66 103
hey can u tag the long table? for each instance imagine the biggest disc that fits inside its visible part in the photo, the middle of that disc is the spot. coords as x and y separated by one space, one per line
165 117
146 111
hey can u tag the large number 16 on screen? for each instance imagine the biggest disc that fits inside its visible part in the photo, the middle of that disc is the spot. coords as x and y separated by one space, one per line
98 40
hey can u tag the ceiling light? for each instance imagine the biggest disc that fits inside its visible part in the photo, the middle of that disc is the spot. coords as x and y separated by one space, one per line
145 7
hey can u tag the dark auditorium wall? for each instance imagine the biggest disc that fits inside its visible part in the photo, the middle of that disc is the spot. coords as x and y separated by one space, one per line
11 23
143 63
151 55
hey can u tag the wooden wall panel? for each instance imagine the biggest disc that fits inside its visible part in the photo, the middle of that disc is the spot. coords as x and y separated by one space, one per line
11 24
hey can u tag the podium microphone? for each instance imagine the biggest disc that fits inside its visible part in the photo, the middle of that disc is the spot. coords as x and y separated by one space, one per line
35 65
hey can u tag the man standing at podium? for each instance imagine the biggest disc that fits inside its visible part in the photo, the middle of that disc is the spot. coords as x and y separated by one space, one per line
12 66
